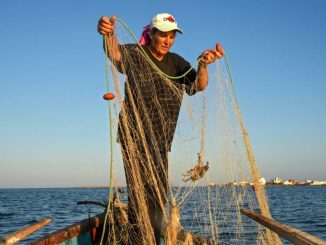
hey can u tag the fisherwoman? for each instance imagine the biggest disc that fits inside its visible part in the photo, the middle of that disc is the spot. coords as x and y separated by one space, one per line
150 112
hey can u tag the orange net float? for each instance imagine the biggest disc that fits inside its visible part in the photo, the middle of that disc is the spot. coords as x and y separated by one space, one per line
109 96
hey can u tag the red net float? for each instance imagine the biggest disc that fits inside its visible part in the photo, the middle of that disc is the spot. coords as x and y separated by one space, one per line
109 96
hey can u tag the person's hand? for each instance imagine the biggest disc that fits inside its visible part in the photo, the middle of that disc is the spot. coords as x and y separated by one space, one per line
106 26
211 55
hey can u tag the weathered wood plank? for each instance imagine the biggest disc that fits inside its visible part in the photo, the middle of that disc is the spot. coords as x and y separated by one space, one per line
23 233
69 232
289 233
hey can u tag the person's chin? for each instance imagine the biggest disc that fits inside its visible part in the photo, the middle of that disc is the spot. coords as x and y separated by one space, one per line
164 52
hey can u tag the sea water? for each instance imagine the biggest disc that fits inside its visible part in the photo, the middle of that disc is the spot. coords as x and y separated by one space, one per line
302 207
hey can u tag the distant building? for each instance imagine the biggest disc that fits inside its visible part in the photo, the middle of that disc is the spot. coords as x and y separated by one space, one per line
289 182
241 183
262 181
317 182
302 183
277 180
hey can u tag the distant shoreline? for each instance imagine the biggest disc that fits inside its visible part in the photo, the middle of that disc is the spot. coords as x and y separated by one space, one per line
106 187
294 185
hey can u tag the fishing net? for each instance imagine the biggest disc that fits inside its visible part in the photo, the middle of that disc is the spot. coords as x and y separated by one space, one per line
200 181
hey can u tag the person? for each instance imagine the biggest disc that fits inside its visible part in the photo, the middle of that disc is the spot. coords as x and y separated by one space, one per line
149 115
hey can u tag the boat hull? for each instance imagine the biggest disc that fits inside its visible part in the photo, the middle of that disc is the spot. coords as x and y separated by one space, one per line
85 232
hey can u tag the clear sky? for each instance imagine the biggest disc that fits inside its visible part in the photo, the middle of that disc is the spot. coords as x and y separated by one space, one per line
54 124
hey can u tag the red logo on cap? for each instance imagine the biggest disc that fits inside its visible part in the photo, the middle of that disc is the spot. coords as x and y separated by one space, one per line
170 18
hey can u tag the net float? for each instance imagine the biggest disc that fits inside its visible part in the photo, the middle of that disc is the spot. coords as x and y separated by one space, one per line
109 96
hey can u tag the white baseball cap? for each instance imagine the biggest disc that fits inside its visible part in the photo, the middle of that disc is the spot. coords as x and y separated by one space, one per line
165 22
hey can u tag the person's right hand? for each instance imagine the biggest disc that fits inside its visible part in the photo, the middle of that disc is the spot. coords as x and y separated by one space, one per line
106 26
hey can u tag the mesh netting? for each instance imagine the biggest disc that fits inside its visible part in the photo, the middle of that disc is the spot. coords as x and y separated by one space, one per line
196 184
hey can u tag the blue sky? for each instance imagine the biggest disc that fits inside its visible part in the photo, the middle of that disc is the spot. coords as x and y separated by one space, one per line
54 125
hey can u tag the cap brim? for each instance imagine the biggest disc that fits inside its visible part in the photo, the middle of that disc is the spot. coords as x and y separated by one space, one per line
168 29
178 30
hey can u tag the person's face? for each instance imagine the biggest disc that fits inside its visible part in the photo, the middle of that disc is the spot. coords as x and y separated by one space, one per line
161 42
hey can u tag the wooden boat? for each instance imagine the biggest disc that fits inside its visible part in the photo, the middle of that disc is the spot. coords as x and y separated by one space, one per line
84 232
89 231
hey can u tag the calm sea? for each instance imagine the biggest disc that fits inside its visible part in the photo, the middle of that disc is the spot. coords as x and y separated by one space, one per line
301 207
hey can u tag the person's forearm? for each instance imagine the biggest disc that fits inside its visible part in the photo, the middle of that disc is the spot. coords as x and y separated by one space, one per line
202 77
112 48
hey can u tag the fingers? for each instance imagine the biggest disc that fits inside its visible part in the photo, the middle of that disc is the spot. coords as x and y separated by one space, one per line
105 25
219 49
209 56
112 19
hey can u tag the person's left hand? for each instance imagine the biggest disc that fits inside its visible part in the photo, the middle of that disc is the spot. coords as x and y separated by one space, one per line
211 55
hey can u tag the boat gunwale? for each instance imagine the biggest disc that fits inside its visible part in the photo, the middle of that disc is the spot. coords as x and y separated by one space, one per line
71 231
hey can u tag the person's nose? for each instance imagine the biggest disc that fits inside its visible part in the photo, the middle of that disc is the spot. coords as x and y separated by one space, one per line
166 40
